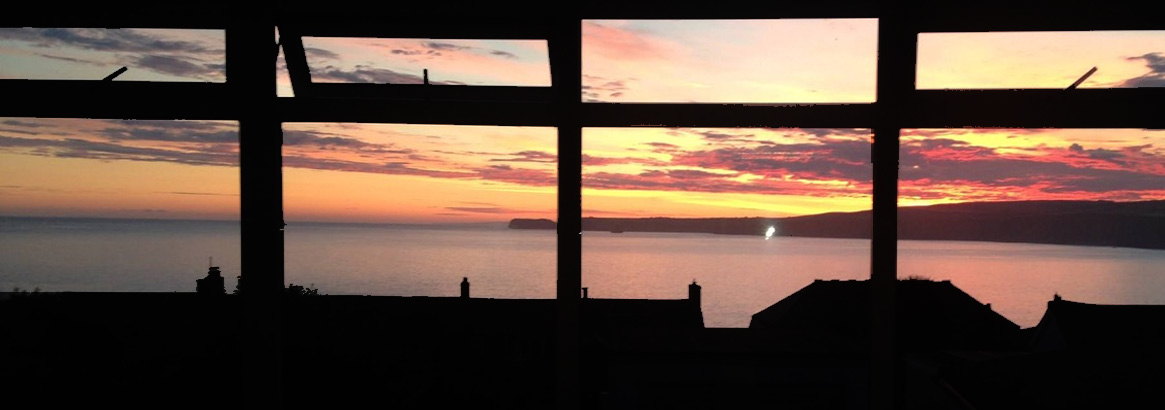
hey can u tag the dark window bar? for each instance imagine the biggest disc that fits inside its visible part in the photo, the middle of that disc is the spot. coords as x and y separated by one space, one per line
532 106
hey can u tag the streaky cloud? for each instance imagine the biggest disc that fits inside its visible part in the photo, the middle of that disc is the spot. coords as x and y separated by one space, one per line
325 141
171 131
496 173
439 46
930 168
19 123
199 193
367 74
529 156
505 54
74 60
179 66
1156 75
313 52
85 149
596 160
672 181
117 40
482 210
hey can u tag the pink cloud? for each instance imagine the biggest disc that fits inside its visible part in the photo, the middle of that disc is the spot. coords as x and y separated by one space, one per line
621 44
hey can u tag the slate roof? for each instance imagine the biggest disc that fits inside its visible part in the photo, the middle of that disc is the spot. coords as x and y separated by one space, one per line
1068 325
929 314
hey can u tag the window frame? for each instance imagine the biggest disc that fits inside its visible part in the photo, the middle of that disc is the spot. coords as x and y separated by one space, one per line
251 83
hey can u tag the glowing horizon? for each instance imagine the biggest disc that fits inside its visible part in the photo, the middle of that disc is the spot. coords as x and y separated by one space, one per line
412 173
418 173
119 168
399 173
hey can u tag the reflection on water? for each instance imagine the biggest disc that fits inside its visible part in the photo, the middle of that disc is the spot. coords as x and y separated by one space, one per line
1019 279
740 275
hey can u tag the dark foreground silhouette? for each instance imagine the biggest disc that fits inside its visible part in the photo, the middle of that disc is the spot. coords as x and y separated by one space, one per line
809 350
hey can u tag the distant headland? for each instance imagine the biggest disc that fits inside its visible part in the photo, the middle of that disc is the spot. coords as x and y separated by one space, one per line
1086 223
533 224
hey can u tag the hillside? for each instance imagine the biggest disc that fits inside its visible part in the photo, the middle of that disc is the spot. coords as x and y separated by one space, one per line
1089 223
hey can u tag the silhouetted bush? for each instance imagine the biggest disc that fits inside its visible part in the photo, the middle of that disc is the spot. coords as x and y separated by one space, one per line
291 289
297 290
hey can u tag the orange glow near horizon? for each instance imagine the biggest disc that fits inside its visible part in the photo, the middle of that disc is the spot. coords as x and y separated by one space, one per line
400 173
418 173
119 169
445 174
724 172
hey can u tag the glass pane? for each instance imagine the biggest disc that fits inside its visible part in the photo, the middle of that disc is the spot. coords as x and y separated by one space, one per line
95 53
745 213
1123 59
111 205
449 62
399 209
745 61
1014 217
282 77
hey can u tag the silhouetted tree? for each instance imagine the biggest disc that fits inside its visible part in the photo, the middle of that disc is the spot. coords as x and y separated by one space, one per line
297 290
291 289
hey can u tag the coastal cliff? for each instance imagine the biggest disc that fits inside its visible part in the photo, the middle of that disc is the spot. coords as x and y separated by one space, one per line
1088 223
533 224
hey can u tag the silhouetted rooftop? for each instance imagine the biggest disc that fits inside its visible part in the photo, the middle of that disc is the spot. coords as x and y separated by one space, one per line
930 314
1068 325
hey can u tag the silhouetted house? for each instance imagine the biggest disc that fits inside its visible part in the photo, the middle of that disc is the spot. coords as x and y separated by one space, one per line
602 315
1068 325
212 283
1081 355
658 356
929 315
425 346
95 344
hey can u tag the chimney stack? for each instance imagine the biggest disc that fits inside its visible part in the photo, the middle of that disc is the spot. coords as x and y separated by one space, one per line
694 292
212 283
465 288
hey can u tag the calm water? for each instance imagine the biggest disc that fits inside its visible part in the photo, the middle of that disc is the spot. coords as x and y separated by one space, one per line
106 255
740 275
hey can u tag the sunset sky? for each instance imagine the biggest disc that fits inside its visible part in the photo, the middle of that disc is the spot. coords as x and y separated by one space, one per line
436 173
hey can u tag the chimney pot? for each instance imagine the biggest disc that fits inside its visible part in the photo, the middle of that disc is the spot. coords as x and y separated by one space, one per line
694 292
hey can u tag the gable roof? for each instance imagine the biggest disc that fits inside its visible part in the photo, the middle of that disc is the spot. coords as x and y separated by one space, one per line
1086 326
929 314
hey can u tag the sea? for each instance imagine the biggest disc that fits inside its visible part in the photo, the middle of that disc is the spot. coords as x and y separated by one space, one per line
739 275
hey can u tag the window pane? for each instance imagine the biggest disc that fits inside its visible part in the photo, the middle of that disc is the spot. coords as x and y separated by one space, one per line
1123 59
95 53
449 62
113 205
282 77
745 61
398 209
1016 216
722 190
